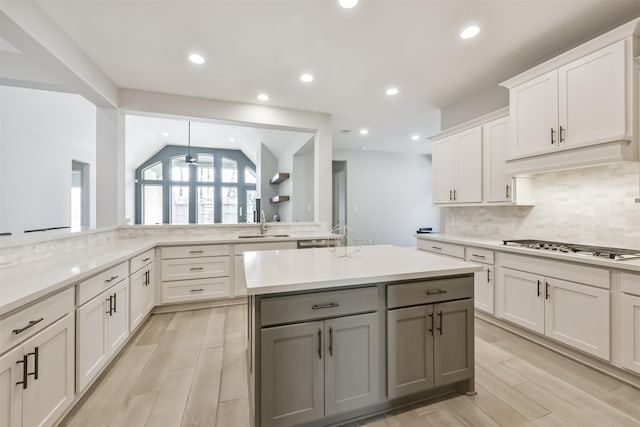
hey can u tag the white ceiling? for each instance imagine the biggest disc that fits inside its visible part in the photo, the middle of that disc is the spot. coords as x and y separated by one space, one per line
254 46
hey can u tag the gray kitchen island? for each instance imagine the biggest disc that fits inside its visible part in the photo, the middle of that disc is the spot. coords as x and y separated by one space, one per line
337 339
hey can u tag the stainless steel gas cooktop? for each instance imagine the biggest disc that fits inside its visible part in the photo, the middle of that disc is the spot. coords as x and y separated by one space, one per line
617 254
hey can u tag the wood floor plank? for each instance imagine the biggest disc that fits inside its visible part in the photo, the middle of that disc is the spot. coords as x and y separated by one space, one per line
172 398
214 334
550 420
158 325
497 409
189 341
234 413
152 374
235 319
135 411
180 320
471 415
202 405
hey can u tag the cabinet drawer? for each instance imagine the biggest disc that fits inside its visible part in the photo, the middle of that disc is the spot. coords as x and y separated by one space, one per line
194 251
25 323
429 291
195 290
197 268
241 248
296 308
484 256
630 283
137 262
98 283
441 248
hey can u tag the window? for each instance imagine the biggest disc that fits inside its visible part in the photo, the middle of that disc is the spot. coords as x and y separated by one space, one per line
220 188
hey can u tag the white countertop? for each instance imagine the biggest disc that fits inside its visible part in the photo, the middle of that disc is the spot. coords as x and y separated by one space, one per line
630 265
26 282
269 272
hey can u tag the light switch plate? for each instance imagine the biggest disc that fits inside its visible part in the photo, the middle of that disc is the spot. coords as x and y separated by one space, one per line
637 199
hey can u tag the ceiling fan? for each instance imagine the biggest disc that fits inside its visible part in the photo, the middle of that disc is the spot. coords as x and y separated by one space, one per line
189 159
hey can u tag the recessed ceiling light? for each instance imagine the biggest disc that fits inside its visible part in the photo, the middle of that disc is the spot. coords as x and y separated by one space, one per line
165 133
415 137
392 91
469 32
263 97
364 131
232 139
363 148
196 59
307 78
348 4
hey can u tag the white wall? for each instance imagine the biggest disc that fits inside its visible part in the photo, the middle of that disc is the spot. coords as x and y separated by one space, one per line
40 134
266 167
473 106
388 195
302 192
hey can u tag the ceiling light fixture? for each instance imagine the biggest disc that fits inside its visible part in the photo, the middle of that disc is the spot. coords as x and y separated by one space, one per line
165 133
189 159
263 97
307 78
364 131
469 32
392 91
232 139
196 59
348 4
415 137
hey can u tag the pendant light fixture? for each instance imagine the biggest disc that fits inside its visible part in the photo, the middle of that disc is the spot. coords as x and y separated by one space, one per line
190 160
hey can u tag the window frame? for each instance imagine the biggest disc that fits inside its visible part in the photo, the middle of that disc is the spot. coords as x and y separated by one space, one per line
169 152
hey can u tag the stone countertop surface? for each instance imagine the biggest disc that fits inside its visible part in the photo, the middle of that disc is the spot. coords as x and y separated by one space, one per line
629 265
24 283
271 272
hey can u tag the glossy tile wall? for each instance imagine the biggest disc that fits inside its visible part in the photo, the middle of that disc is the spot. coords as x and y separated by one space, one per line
591 205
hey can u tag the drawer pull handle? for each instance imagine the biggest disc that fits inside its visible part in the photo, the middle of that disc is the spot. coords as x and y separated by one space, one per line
323 306
197 290
111 279
196 268
24 372
196 252
436 292
436 248
146 259
31 323
478 256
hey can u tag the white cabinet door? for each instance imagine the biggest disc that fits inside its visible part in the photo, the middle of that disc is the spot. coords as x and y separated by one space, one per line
522 299
51 360
483 289
118 320
149 291
92 351
443 170
137 285
578 315
592 96
495 147
11 372
239 280
468 166
630 332
534 115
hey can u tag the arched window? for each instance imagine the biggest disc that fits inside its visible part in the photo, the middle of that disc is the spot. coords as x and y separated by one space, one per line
220 188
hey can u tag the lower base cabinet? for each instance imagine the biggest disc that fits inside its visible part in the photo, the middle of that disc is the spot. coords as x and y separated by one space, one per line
429 346
36 378
630 331
317 369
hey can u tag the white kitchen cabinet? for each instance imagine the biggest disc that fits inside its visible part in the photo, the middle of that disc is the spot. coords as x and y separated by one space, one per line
118 321
630 332
498 185
239 279
483 289
11 394
443 170
141 292
522 299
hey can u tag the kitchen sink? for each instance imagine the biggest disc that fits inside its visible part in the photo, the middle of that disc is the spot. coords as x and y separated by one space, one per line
257 236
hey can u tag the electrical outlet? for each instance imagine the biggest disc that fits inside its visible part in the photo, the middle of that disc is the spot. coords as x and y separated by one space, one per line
637 199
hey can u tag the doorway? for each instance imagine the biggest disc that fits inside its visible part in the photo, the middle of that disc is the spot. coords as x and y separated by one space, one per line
339 169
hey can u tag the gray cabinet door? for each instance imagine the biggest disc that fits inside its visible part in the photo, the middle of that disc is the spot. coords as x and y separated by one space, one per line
352 368
409 350
292 390
453 341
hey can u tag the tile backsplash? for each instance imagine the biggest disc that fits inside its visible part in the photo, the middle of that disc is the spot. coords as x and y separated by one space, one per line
592 205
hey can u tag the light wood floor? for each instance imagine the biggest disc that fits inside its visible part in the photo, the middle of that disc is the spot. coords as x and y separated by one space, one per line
189 369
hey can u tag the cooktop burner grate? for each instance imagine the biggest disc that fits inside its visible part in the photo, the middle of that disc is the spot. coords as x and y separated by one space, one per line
599 251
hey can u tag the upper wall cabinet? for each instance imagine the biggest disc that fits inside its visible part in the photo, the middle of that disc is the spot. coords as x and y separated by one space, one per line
577 109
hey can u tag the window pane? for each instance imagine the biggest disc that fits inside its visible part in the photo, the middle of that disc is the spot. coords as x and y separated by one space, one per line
251 204
179 204
153 172
205 168
229 170
249 176
152 204
179 169
204 206
229 205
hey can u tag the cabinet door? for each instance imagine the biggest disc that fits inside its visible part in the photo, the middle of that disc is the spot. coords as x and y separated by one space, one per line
468 169
149 291
118 321
409 350
352 370
137 285
51 360
534 115
578 315
522 298
495 147
593 96
483 289
443 170
630 332
453 348
11 372
92 349
239 280
292 388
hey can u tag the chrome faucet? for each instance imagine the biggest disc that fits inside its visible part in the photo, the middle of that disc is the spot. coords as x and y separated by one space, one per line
263 222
